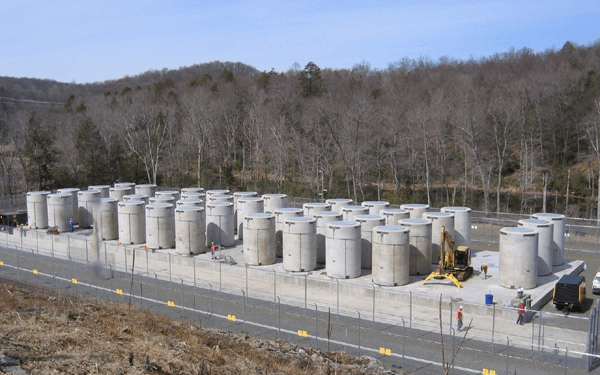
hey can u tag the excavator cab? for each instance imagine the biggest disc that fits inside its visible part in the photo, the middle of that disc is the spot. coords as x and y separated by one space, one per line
462 257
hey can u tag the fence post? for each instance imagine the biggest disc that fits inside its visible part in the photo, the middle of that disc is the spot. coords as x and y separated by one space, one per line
181 292
316 327
244 311
410 309
373 322
274 286
246 278
17 251
358 312
337 315
305 294
507 348
156 286
493 324
278 316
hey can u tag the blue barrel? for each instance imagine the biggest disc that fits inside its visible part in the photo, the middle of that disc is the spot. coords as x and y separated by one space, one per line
489 299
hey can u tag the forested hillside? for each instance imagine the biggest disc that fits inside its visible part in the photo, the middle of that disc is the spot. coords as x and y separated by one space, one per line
495 134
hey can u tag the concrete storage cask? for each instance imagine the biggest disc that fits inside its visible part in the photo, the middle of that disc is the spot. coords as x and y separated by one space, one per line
439 220
190 230
518 257
60 209
169 193
217 192
390 255
132 222
106 217
545 253
37 209
393 215
338 203
419 238
274 202
237 195
87 200
219 223
164 199
310 208
148 190
462 224
323 218
246 206
220 198
259 239
75 202
191 190
192 195
343 249
300 244
559 222
136 197
350 212
103 189
367 223
126 184
280 215
189 203
375 207
416 209
160 226
120 192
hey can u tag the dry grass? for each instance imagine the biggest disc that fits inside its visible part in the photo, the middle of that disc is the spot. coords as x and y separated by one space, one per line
76 336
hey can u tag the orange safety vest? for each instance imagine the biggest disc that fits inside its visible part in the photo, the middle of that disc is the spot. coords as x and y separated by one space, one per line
213 247
459 315
521 311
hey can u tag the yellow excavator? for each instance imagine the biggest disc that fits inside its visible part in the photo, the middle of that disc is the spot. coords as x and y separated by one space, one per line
455 263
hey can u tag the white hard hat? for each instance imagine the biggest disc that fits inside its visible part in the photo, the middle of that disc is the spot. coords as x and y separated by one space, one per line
460 307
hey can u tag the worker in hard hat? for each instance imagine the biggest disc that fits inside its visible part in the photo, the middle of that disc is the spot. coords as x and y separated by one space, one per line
459 318
71 224
521 312
213 247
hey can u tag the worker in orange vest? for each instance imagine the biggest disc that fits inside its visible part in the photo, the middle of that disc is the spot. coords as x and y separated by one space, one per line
521 313
213 247
459 318
484 268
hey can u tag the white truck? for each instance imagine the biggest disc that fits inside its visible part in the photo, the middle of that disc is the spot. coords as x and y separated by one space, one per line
596 283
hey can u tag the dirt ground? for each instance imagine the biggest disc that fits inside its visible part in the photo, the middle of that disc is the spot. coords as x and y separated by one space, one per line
41 334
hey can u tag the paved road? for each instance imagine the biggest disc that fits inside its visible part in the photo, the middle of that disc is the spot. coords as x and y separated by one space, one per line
417 351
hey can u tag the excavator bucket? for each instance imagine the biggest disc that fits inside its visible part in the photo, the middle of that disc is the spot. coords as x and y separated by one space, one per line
437 275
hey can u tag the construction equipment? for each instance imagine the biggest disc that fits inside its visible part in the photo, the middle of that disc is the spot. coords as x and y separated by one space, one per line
455 263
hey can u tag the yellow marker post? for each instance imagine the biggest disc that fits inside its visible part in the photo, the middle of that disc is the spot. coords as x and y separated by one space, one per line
119 292
302 333
1 263
388 352
381 350
35 272
170 303
74 281
488 372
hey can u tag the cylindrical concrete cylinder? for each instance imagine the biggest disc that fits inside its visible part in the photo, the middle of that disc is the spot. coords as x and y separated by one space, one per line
280 215
106 215
160 226
120 192
559 222
220 198
419 237
439 220
169 193
103 189
136 197
545 253
132 222
393 215
219 223
391 255
416 209
310 208
338 203
518 257
299 244
190 230
60 209
164 199
343 249
246 206
274 202
350 212
189 190
237 195
193 195
87 201
375 207
75 202
259 238
217 192
126 184
462 225
323 218
37 209
367 223
189 203
148 190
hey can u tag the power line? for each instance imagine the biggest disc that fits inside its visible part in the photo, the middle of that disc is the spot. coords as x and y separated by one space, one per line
28 101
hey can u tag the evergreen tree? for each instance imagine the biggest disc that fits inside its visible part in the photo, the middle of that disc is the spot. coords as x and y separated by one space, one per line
41 156
311 81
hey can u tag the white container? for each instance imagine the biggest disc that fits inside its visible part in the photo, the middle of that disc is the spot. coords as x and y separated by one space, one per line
160 226
192 190
274 202
375 207
439 220
259 239
367 223
246 206
559 222
518 258
126 184
416 209
132 222
60 209
120 192
190 230
148 190
545 243
189 203
338 203
37 209
419 238
74 201
217 192
87 201
237 195
136 197
391 255
103 189
169 193
299 244
350 212
343 249
462 225
219 223
280 215
193 195
312 207
220 198
323 218
164 199
393 215
106 217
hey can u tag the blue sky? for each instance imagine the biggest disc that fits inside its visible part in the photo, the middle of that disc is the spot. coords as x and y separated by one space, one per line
91 41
